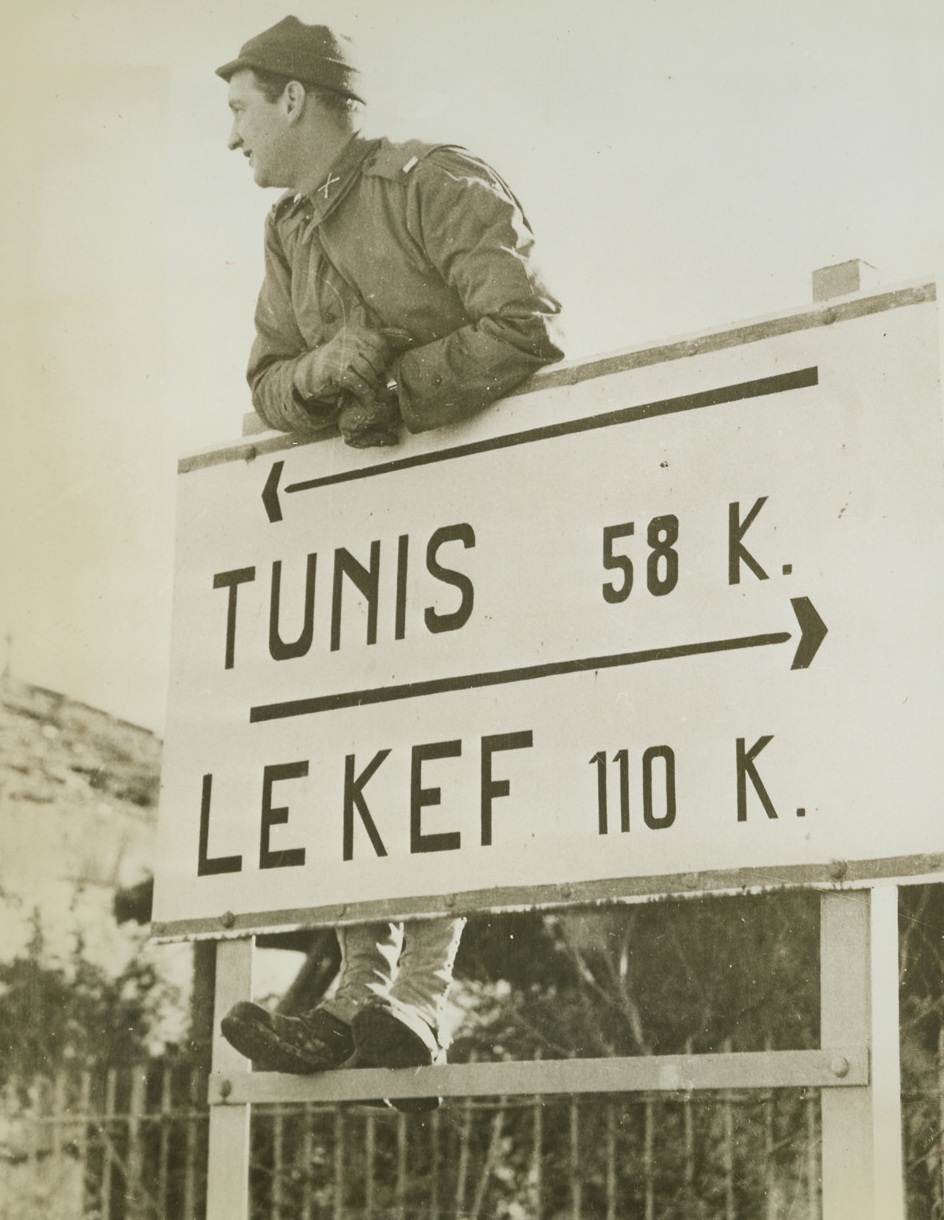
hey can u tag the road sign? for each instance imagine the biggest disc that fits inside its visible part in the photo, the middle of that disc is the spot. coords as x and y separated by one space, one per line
666 621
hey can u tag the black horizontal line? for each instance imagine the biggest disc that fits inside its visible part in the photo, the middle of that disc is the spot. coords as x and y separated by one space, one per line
800 379
498 677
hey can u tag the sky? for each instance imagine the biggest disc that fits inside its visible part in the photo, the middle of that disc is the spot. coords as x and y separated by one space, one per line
684 165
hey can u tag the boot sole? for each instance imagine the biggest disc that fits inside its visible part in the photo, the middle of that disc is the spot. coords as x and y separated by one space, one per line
247 1028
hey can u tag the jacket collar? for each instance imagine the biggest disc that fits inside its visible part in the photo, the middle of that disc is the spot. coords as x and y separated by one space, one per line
312 209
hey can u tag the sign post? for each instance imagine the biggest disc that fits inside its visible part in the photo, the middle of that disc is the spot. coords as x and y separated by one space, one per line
862 1160
658 624
228 1162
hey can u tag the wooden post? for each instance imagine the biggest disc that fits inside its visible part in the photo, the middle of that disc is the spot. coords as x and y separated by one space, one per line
228 1164
862 1161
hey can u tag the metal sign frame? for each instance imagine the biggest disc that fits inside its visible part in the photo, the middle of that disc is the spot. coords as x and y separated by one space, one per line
857 1069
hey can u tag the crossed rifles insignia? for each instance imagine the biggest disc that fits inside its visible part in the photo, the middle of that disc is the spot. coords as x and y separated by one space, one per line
326 187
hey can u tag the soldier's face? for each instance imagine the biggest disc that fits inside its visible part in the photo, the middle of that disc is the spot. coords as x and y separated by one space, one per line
260 131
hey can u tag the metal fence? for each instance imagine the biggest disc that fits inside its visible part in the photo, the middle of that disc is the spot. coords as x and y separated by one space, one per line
130 1144
605 1156
115 1144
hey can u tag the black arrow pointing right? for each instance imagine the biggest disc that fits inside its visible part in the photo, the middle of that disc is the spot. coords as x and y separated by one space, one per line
812 632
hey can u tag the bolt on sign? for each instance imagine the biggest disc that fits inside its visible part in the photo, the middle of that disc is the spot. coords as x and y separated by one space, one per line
664 621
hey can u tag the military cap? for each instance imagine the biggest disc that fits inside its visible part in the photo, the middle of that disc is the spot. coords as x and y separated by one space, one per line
312 54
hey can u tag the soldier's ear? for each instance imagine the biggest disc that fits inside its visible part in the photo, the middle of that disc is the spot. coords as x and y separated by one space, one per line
293 100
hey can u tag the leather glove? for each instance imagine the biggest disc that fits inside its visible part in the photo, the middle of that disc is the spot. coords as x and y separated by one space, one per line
353 361
370 420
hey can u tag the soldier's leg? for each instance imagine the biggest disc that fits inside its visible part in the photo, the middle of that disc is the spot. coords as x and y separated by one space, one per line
322 1039
404 1027
426 963
369 955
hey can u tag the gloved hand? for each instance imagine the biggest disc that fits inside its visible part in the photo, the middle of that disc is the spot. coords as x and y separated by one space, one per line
370 420
354 360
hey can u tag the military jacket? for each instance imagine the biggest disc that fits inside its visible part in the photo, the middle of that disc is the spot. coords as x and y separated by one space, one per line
425 241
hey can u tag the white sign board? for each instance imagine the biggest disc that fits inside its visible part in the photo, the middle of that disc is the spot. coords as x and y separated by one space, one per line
674 624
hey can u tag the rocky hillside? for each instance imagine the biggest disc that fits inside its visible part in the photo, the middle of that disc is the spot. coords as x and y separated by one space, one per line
78 813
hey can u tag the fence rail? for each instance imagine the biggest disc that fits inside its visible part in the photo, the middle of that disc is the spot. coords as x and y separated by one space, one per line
130 1144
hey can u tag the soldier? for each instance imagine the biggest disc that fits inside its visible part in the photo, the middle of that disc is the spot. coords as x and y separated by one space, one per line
400 290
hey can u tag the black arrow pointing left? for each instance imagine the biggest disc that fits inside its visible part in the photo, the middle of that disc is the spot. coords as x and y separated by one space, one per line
718 396
270 493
